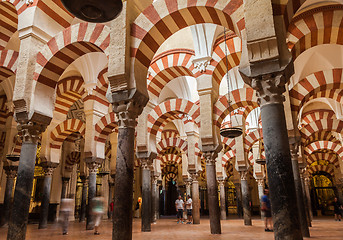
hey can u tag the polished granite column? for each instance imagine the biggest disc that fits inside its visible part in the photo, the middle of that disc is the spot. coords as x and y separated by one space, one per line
146 165
30 132
195 197
298 188
269 88
245 198
44 212
127 104
222 199
11 173
83 208
307 210
212 192
154 199
239 200
92 169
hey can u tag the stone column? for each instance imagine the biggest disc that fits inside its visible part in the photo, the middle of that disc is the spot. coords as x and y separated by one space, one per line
92 169
195 197
23 189
269 88
307 210
188 183
157 213
49 168
146 165
155 199
222 199
65 182
212 191
260 187
11 172
83 209
110 196
298 188
127 105
239 200
307 192
245 198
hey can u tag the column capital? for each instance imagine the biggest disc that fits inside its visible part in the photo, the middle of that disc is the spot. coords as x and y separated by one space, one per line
93 167
146 159
154 179
11 171
260 181
49 168
128 105
188 182
221 182
244 175
30 131
210 157
194 175
146 163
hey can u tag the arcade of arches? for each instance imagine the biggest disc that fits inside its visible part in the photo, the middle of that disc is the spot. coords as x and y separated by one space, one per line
132 110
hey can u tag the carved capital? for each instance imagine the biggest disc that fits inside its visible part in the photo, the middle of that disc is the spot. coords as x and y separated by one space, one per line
146 163
128 105
221 182
201 63
188 182
30 131
49 168
11 171
260 182
210 157
154 179
93 167
269 88
244 175
194 176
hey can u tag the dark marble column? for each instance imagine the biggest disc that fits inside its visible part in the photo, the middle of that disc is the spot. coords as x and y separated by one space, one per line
212 191
65 182
222 199
239 200
44 212
92 169
195 197
127 105
146 165
83 208
298 188
110 196
307 210
155 199
157 210
11 172
245 198
307 193
260 186
269 88
23 189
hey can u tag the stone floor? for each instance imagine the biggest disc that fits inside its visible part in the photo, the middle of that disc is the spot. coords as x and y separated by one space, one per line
324 228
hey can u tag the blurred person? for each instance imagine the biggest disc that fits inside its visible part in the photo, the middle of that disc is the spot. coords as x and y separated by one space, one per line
66 208
266 209
337 209
97 211
189 209
179 204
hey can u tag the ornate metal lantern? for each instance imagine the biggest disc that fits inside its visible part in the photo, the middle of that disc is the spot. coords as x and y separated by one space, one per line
94 10
229 132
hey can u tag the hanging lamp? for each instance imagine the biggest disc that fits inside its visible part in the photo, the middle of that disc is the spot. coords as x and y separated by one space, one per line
12 156
94 10
230 131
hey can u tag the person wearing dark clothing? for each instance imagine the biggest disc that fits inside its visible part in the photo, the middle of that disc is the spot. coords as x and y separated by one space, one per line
337 209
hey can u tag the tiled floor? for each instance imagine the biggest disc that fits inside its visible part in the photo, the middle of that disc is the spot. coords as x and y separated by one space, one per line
325 229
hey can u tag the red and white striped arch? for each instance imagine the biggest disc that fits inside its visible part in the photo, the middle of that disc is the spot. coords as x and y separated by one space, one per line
324 145
73 158
167 109
323 25
227 156
228 169
170 133
316 115
64 129
8 63
321 135
331 125
168 66
170 158
67 46
316 85
234 51
321 168
228 143
69 90
8 22
105 126
251 138
99 93
163 18
240 98
286 9
172 142
320 156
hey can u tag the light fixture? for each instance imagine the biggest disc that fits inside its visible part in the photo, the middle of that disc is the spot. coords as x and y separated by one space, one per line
230 131
94 10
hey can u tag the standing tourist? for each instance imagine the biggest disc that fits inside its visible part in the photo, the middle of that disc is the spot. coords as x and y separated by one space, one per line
266 209
189 209
337 209
179 208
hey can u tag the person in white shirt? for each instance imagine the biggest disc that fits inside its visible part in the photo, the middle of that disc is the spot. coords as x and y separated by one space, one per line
179 208
189 209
